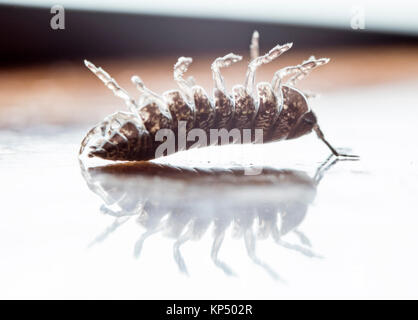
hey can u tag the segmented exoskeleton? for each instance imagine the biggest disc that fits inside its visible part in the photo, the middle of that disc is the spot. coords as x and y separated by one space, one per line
277 109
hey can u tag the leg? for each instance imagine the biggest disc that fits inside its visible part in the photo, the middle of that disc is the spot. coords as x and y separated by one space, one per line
303 238
300 71
176 249
140 242
217 243
320 135
146 94
109 230
223 62
112 85
306 67
254 47
305 251
180 68
137 81
324 167
249 239
191 81
278 77
268 57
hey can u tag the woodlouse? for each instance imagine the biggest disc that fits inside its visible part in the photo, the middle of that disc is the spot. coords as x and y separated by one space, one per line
277 109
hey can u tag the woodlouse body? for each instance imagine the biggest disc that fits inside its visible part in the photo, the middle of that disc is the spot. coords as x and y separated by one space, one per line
279 111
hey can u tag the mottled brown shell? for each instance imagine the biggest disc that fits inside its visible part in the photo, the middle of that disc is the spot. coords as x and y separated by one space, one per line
180 110
204 111
245 108
125 136
224 109
268 109
294 107
155 118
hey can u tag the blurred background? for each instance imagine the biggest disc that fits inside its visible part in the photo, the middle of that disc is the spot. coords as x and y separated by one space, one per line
43 79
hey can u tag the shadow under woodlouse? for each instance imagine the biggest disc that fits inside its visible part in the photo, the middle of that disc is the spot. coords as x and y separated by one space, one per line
273 203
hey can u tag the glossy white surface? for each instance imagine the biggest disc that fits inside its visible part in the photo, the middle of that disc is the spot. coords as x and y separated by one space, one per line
363 219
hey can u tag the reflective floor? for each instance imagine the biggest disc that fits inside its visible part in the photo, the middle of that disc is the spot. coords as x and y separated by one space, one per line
209 224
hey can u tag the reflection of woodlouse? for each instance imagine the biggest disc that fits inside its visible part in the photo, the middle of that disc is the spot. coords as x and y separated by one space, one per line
275 207
278 109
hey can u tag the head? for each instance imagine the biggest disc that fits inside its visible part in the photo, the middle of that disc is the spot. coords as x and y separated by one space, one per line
296 119
99 141
119 136
303 126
